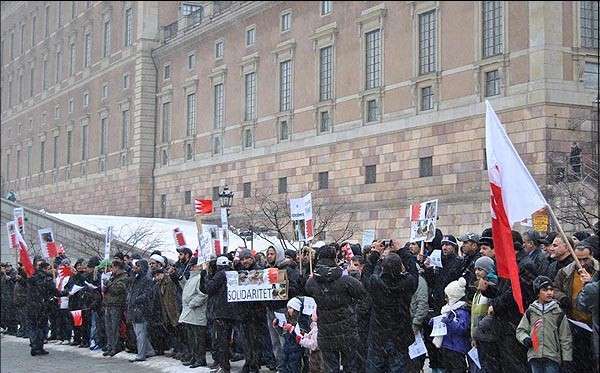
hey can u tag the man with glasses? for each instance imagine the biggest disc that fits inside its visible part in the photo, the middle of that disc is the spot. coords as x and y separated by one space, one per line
568 283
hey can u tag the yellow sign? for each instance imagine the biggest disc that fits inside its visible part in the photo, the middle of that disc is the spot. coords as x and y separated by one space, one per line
540 221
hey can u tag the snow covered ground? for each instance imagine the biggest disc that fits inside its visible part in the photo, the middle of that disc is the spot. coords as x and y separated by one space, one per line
162 229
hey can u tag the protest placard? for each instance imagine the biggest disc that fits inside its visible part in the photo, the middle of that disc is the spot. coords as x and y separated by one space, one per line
179 237
439 328
257 285
474 355
281 320
11 230
310 306
417 348
107 239
435 259
368 237
423 219
19 218
47 243
302 218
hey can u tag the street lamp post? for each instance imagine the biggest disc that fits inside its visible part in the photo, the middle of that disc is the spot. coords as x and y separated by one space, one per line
226 200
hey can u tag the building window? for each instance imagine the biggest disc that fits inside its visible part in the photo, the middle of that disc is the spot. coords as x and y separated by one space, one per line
189 151
69 145
29 154
33 30
47 22
31 81
187 9
372 111
427 42
325 73
55 153
59 15
286 22
18 164
167 72
216 145
87 52
285 85
426 98
71 105
22 40
247 138
125 81
215 193
58 66
73 10
86 99
103 135
166 122
247 190
164 157
425 166
56 112
371 174
326 7
20 88
590 75
8 166
106 41
190 128
187 197
250 36
324 122
284 130
191 61
128 27
218 108
373 59
323 180
492 83
282 185
71 59
163 205
84 142
10 93
45 75
219 49
492 28
105 90
42 156
12 45
250 96
589 24
124 129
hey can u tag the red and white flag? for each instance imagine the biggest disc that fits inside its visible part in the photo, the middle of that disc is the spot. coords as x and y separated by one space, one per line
77 318
515 196
203 206
179 237
24 255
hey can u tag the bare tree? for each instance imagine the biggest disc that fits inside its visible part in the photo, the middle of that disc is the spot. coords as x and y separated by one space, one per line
142 238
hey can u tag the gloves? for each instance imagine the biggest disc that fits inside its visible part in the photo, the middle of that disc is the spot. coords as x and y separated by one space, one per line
288 327
298 339
527 342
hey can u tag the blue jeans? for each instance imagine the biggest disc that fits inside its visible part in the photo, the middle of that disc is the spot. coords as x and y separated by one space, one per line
544 366
37 327
292 355
144 347
386 358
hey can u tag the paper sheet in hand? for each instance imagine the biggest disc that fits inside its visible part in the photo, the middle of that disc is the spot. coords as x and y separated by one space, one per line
309 306
582 325
436 258
368 237
281 320
297 330
417 348
439 328
75 289
90 285
474 355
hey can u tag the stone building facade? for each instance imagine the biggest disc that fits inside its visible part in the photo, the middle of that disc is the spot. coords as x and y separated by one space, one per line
374 104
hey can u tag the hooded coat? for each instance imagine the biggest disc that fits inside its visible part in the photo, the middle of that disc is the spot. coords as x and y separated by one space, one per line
139 298
167 291
216 288
293 276
193 301
335 296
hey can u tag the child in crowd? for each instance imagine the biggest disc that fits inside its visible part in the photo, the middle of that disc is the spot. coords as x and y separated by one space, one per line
545 331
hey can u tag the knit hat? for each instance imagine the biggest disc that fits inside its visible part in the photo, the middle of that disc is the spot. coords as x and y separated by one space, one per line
158 258
455 290
326 252
295 303
541 282
486 263
223 261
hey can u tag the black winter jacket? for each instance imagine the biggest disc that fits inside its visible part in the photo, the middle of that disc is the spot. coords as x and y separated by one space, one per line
216 288
40 294
335 296
140 298
438 278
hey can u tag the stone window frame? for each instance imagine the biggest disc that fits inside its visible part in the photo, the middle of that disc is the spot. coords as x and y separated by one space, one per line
423 82
319 114
189 145
323 182
478 30
283 52
372 19
580 54
106 42
104 91
128 29
218 76
219 51
85 151
282 14
248 129
190 61
282 185
190 87
87 49
501 87
249 65
166 97
481 71
103 148
417 9
483 29
214 139
286 87
323 8
425 170
125 106
125 81
247 42
288 119
370 174
247 189
166 72
579 37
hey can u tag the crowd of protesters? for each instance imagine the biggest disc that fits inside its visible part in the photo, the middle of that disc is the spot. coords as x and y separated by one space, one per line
371 302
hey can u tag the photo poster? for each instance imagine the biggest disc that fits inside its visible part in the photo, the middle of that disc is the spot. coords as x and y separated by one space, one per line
215 239
257 285
19 219
225 226
11 230
302 218
206 246
368 237
107 238
47 243
423 219
178 237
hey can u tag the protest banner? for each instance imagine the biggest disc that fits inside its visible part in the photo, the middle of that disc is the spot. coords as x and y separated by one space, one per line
225 227
302 218
423 219
214 238
47 243
257 285
107 239
11 230
19 218
540 221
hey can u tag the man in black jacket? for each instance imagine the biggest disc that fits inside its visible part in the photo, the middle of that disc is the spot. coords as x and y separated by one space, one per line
335 296
391 282
439 278
221 312
139 301
40 293
470 250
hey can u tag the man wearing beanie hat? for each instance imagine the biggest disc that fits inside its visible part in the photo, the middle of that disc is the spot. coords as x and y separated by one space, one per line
485 271
471 253
543 319
454 346
335 296
438 278
139 303
223 313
